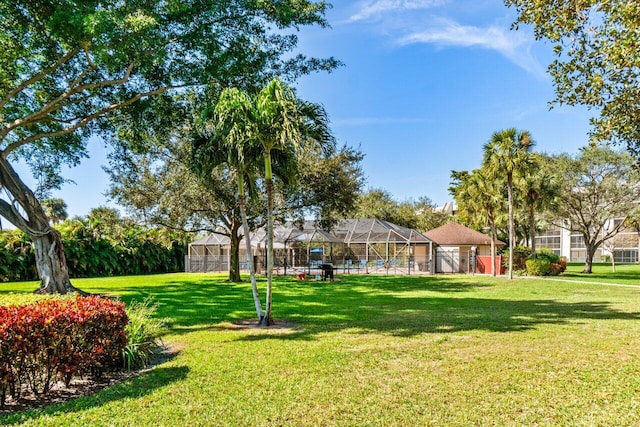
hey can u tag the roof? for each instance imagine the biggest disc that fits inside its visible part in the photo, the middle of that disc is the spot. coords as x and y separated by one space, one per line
346 231
212 239
457 234
376 231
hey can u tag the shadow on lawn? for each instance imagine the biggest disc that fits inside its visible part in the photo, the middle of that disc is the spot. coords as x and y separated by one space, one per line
402 306
133 388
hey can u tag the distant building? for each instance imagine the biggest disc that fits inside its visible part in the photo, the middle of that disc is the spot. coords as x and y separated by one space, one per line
571 245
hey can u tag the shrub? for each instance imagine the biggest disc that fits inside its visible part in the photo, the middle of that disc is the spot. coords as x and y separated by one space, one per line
538 267
143 334
548 254
58 338
520 256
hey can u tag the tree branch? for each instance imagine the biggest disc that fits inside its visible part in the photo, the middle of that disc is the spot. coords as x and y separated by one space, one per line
37 77
81 123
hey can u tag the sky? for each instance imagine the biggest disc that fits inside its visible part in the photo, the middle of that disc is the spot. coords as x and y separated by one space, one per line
425 83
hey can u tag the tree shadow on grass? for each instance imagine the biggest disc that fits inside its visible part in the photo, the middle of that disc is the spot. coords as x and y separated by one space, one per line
401 307
136 387
203 302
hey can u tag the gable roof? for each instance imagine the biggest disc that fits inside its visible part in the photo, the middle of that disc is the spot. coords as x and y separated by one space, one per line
456 234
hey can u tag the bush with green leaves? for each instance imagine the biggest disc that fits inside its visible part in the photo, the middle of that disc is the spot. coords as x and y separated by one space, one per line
93 249
548 254
520 256
143 334
538 267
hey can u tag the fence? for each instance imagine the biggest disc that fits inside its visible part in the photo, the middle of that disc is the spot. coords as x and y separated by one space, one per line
353 265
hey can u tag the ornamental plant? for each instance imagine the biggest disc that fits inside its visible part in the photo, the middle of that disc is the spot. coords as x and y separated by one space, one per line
52 340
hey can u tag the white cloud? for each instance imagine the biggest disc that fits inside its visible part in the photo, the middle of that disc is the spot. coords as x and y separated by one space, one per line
446 33
377 8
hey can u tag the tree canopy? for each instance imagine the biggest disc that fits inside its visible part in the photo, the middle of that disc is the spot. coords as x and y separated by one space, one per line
597 47
123 70
601 189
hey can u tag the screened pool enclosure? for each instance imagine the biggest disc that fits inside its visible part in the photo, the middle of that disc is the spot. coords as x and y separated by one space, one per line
351 246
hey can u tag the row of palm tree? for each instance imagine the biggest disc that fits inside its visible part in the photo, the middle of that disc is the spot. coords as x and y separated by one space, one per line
270 128
508 166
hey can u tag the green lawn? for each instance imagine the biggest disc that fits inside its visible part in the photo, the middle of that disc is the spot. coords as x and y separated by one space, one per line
380 351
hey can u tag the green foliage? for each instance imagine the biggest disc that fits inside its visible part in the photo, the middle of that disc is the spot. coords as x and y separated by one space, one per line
143 332
548 254
598 59
538 267
520 256
600 183
420 215
93 249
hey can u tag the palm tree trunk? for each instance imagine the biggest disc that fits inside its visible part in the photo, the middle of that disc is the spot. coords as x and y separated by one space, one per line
267 320
247 241
532 230
511 223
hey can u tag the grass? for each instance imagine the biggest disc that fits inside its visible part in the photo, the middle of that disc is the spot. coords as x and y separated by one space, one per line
379 350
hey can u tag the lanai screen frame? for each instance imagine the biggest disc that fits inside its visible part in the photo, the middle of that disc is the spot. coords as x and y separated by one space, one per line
382 242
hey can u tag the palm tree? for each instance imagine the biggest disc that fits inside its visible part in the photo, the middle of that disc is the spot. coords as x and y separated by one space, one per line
55 209
287 124
229 139
540 189
272 127
507 153
479 196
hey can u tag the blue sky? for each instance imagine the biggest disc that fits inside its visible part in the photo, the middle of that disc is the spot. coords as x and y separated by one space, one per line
425 84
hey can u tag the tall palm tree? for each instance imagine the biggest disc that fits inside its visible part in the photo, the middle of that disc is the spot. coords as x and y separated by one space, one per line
507 153
480 196
230 139
288 125
540 190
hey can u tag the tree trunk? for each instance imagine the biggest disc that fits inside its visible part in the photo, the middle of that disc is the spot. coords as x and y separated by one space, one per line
588 263
493 247
511 225
47 243
247 241
267 320
234 254
613 262
51 264
532 230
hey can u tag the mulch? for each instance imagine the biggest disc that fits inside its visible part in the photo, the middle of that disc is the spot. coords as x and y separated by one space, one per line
80 386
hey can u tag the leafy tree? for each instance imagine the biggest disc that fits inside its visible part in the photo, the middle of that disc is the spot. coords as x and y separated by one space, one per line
380 204
600 185
329 185
598 59
160 189
420 215
507 153
70 69
55 209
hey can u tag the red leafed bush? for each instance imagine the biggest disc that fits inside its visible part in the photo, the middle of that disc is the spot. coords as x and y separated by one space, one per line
56 339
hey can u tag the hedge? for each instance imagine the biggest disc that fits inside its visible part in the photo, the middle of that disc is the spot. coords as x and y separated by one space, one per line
94 251
57 339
